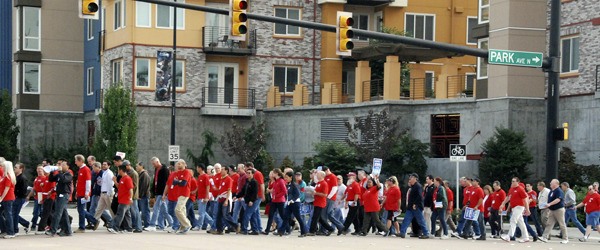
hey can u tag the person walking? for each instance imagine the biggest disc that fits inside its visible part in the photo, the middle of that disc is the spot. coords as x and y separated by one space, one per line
250 195
352 200
414 207
534 217
440 203
223 198
392 203
159 210
498 197
203 196
543 194
332 184
63 190
83 193
106 196
20 198
37 193
519 203
47 201
320 193
476 203
181 182
293 206
592 212
372 207
428 201
570 202
278 194
144 194
449 209
8 181
557 212
124 198
136 219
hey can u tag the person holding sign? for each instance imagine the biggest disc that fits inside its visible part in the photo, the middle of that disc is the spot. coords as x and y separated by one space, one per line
476 203
440 201
519 203
392 203
370 199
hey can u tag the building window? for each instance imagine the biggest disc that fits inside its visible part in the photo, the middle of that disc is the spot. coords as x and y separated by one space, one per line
420 26
445 130
164 16
470 79
570 55
90 29
286 78
31 28
31 78
179 73
90 81
471 23
482 64
142 75
287 30
484 11
429 83
117 68
143 14
361 21
119 15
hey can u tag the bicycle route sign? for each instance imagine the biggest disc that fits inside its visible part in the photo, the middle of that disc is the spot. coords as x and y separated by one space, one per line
458 152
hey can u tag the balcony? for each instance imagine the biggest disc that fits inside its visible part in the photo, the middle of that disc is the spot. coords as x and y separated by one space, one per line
216 40
228 101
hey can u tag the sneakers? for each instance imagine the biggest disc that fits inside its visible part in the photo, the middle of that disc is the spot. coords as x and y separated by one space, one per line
96 226
8 236
195 229
26 230
424 237
524 240
445 237
455 234
169 230
564 241
584 239
505 238
40 232
79 231
111 230
185 230
150 229
542 239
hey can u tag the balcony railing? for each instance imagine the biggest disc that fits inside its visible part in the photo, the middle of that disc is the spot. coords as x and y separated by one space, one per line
460 86
374 89
232 98
421 88
216 40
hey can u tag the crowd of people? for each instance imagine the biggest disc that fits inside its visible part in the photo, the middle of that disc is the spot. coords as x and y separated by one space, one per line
227 199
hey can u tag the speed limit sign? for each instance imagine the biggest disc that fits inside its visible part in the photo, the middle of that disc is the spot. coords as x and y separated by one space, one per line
173 152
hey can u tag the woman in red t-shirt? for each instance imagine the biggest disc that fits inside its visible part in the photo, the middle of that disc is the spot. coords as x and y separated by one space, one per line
391 203
592 211
371 201
278 192
7 197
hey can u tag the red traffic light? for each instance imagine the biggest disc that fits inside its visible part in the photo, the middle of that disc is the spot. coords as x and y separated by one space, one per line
349 21
243 5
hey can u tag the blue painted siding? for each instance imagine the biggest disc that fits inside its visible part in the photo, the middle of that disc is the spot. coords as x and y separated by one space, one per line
91 60
6 46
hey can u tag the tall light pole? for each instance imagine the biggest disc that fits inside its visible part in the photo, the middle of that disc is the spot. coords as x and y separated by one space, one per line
174 77
553 91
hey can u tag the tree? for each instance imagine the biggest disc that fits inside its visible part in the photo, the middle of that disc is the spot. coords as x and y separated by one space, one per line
245 143
338 156
118 125
287 163
207 152
407 156
505 156
9 131
373 136
573 173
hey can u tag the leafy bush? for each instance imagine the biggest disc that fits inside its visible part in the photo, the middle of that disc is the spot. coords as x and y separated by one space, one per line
407 156
573 173
338 156
246 143
9 131
207 152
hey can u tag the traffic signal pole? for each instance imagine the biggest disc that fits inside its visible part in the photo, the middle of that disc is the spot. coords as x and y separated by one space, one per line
553 92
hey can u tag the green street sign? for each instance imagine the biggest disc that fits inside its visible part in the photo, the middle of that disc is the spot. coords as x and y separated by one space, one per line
515 58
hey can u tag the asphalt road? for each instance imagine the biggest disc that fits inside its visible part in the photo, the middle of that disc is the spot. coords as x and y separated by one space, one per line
102 239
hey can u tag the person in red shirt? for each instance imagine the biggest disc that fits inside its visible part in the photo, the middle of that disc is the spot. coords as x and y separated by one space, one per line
533 196
371 201
462 230
519 203
487 203
189 206
352 198
592 212
476 202
320 192
239 179
170 196
203 197
7 197
223 198
124 198
37 189
48 197
391 203
84 189
498 197
181 183
332 182
450 197
278 194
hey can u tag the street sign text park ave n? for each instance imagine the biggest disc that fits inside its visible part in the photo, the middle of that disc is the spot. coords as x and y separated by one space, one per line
515 58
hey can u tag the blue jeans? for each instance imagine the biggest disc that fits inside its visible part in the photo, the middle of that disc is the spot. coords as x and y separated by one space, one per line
171 208
123 213
337 214
224 217
144 206
17 219
203 215
571 215
409 215
441 214
478 225
37 211
293 210
61 216
331 216
255 222
136 221
307 210
530 230
84 214
213 210
460 229
237 208
160 214
249 214
7 213
191 215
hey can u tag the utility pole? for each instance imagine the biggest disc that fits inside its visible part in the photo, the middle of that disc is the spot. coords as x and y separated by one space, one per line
174 77
553 91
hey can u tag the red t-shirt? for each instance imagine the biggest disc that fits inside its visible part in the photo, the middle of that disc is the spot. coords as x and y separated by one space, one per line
279 190
216 180
47 187
321 201
37 183
260 179
476 195
516 196
486 205
225 185
172 194
592 203
183 175
203 182
362 186
193 186
497 198
392 197
450 196
370 198
84 175
353 190
532 198
331 180
125 185
234 182
4 184
466 194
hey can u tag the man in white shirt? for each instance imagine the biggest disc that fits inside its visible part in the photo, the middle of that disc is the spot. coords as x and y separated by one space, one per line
542 201
106 193
339 210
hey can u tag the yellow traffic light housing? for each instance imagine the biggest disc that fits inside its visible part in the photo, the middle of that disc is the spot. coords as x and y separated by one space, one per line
344 33
562 134
89 9
237 15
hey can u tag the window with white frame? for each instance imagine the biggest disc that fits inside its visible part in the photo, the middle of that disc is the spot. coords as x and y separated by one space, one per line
143 14
286 77
289 13
90 81
31 78
179 73
570 55
117 70
119 15
482 64
164 16
361 21
471 23
31 28
429 81
470 79
420 26
90 29
142 72
484 11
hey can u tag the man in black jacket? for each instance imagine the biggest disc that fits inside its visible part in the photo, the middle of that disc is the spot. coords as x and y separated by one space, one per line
249 194
63 190
414 207
20 198
144 194
159 213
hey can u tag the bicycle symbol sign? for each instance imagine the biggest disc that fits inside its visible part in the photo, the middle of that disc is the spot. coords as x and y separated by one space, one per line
458 152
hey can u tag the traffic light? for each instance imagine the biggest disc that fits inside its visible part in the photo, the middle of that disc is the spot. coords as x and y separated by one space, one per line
89 9
344 33
237 15
562 134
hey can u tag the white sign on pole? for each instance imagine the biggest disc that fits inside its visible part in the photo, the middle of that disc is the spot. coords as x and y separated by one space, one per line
173 152
458 152
377 166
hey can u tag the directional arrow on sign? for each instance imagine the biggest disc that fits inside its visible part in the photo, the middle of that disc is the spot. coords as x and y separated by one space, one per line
515 58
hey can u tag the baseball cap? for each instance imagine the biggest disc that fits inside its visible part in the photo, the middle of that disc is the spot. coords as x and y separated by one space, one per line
351 174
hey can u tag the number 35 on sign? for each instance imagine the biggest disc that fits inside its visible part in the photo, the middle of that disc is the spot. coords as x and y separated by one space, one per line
173 152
